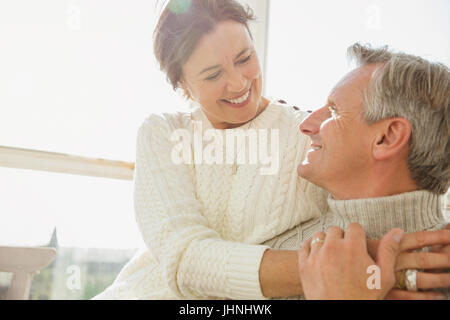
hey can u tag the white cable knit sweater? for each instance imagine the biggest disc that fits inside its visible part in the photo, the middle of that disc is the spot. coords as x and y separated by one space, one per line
201 223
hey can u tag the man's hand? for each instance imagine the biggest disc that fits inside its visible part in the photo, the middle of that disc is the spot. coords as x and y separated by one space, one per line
436 262
336 267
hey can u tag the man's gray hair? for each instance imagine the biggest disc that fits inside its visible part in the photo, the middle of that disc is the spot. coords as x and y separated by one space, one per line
410 87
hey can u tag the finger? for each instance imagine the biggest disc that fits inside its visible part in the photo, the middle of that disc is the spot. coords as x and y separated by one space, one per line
334 233
427 280
388 250
422 260
436 248
414 295
417 240
355 233
303 253
372 247
444 249
315 247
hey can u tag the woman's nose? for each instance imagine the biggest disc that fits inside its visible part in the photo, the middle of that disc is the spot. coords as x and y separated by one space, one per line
236 82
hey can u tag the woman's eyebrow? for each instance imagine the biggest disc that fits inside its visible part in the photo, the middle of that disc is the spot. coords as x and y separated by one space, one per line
241 53
208 69
218 66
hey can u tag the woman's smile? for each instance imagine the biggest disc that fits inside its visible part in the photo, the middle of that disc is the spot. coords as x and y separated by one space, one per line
240 101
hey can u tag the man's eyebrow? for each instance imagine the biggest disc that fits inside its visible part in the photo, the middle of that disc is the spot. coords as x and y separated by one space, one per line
218 66
330 102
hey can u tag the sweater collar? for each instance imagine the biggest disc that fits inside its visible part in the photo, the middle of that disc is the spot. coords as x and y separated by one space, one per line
411 212
263 121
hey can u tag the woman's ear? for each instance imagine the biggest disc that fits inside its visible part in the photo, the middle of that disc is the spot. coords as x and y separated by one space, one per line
392 138
187 92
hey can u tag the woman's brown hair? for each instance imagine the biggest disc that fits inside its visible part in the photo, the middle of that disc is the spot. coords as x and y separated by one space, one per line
181 25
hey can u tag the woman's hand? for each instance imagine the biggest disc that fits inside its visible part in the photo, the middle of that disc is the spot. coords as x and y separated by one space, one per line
436 262
338 266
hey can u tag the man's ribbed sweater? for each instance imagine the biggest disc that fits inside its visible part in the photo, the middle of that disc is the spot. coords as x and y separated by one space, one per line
202 224
411 212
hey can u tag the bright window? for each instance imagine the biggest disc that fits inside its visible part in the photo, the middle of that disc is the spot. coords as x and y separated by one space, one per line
78 77
307 40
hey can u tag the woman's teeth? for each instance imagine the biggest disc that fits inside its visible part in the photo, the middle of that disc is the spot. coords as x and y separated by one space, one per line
239 100
316 148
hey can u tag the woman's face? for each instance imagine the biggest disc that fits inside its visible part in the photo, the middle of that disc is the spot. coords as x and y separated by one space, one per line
223 75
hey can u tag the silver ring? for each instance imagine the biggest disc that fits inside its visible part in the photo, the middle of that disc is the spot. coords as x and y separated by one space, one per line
317 240
411 279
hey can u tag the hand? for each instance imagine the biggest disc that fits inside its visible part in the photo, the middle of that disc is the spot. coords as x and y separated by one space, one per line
435 262
444 248
337 268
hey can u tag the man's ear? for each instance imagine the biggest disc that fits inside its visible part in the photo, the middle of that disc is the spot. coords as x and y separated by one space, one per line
392 138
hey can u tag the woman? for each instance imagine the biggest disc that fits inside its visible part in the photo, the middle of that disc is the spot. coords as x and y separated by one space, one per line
202 216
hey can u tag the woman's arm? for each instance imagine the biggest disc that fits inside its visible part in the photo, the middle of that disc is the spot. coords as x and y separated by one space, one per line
197 262
279 268
279 275
338 266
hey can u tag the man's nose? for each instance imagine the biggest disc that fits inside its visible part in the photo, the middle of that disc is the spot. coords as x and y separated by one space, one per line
236 82
311 124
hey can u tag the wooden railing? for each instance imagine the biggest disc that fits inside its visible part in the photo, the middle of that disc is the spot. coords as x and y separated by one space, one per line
65 163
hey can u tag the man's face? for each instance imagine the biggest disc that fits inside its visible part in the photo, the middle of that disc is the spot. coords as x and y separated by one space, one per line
341 140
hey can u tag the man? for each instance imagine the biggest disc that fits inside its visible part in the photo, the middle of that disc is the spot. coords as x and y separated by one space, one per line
380 146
